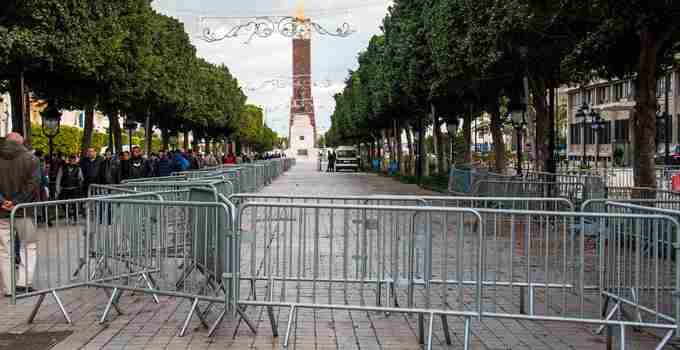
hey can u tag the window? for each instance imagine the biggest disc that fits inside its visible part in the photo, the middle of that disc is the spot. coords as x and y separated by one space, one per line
621 131
302 138
81 120
660 87
575 134
618 92
589 96
605 133
628 89
602 95
573 100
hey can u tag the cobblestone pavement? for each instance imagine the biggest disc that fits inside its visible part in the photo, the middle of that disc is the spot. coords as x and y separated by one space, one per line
146 325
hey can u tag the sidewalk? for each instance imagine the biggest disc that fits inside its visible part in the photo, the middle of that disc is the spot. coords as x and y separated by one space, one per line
145 325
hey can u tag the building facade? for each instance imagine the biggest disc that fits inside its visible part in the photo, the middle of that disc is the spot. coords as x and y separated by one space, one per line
615 100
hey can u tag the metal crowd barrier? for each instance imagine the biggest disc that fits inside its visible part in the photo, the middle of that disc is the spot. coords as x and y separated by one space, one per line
572 191
520 203
619 193
463 181
137 243
435 261
220 185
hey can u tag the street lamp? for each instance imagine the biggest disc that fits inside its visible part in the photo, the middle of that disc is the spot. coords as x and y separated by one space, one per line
452 129
517 116
597 124
130 126
51 120
582 115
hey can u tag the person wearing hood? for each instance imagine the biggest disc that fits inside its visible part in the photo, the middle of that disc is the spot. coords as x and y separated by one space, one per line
19 182
137 164
164 164
109 170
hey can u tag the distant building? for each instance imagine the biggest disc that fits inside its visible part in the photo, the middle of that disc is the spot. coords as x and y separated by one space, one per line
5 115
70 118
616 101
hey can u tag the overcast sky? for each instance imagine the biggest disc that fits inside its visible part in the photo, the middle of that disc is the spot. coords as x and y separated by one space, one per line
265 59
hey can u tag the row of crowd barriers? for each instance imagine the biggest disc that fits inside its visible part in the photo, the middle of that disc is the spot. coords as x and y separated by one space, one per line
533 259
577 187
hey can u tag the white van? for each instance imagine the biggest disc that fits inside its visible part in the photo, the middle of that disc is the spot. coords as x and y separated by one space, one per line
346 158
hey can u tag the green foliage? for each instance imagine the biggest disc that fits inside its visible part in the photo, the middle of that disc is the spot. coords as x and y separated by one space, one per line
67 142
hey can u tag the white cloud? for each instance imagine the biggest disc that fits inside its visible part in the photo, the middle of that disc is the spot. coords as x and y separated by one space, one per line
269 58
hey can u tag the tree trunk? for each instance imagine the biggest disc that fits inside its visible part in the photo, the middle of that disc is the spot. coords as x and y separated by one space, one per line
409 140
439 145
397 129
18 89
467 133
165 138
551 163
644 118
185 142
28 136
148 135
88 130
541 127
497 136
117 134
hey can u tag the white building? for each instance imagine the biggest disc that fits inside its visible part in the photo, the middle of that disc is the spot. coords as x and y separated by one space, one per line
615 100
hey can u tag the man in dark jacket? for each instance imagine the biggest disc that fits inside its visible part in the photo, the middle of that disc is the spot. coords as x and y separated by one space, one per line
109 170
137 164
90 166
18 184
164 164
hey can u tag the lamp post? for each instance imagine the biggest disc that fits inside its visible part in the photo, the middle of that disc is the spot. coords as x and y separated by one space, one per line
130 126
517 116
51 120
597 124
582 114
452 129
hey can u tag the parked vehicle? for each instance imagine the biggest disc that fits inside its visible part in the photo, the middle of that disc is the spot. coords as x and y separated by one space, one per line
347 158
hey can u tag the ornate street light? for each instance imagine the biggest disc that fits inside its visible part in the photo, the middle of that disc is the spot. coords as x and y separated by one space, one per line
582 115
130 126
597 124
517 117
51 120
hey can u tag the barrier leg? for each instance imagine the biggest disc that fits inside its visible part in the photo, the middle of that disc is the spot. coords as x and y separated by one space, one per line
115 305
445 328
609 317
219 320
183 331
245 319
429 332
466 337
272 321
61 306
291 319
201 317
622 335
34 312
665 340
421 329
112 299
151 286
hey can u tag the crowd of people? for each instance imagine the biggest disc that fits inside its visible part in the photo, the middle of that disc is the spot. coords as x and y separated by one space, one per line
70 177
27 176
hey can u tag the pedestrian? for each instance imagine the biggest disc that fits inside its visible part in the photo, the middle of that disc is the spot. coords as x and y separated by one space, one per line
194 161
124 165
210 160
109 170
44 181
137 164
230 158
151 166
90 168
331 162
179 163
18 185
70 180
164 164
53 165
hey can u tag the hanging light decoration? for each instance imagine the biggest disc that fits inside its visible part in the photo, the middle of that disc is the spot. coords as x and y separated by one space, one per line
266 26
